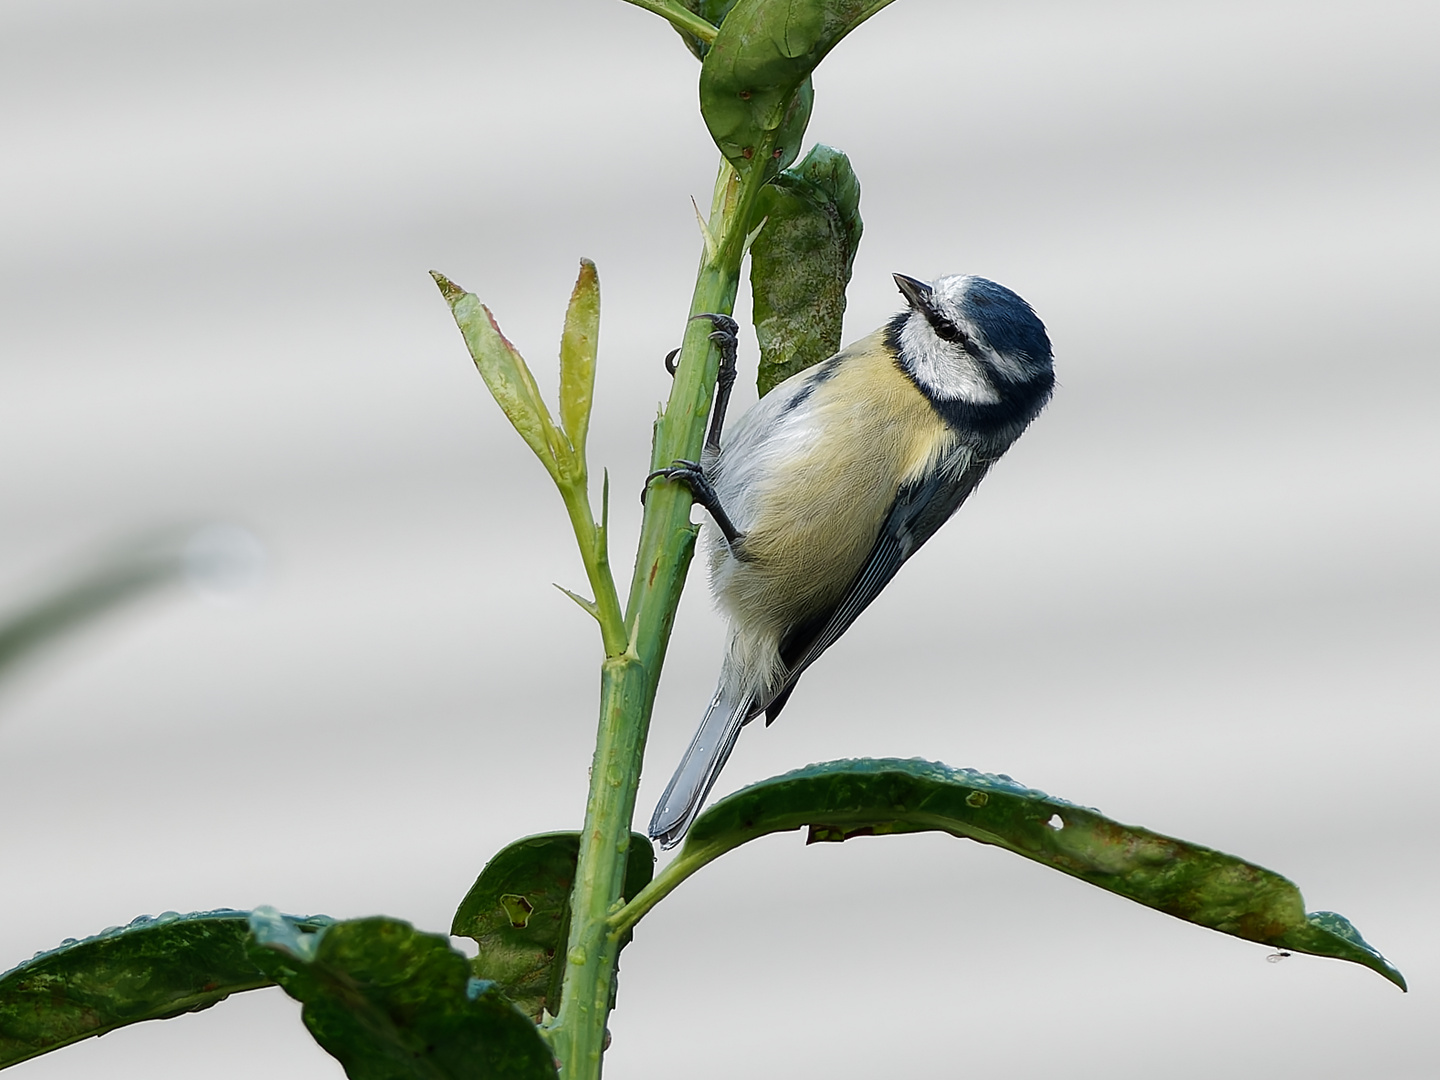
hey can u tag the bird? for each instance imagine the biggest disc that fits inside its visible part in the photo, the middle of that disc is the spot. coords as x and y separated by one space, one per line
828 484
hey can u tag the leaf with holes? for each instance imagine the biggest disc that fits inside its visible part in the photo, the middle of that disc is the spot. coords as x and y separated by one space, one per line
763 53
800 263
392 1003
152 969
518 912
838 800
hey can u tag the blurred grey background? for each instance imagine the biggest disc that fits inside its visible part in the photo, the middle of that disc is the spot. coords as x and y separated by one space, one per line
1201 594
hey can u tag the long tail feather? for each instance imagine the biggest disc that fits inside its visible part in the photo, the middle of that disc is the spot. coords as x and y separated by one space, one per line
700 766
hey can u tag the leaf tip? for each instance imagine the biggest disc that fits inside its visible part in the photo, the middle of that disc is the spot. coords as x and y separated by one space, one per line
448 289
587 288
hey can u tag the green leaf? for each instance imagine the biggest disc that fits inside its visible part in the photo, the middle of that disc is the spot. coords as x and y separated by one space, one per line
518 912
764 52
392 1003
870 797
800 263
791 133
505 373
578 345
152 969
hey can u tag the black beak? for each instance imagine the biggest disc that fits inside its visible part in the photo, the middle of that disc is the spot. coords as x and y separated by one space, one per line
916 293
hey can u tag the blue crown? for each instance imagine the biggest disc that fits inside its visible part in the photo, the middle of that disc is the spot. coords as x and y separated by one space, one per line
1007 321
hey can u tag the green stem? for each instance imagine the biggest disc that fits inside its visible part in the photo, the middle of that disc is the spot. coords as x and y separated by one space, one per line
662 886
681 18
578 1033
627 695
595 551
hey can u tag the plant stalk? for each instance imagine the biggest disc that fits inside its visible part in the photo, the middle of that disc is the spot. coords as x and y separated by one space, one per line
681 18
663 885
594 546
628 681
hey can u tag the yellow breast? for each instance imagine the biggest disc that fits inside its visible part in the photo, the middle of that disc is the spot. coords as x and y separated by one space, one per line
817 513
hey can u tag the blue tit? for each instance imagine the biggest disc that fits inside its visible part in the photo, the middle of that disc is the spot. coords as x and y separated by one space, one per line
824 488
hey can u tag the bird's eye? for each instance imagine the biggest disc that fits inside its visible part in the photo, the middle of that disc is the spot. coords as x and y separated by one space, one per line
946 330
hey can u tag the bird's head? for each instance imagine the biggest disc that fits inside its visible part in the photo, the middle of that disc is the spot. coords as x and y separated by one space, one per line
969 341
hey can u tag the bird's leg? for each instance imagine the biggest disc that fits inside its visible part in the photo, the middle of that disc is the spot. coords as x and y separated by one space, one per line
693 477
690 473
724 336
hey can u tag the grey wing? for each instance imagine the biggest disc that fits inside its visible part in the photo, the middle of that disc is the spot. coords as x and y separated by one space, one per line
919 510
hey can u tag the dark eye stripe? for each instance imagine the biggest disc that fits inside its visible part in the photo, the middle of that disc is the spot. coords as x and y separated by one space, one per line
946 330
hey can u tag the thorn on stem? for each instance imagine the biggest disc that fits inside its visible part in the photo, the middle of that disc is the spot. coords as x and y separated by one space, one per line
588 606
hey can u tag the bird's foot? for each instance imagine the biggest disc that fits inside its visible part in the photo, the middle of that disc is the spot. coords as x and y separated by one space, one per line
689 473
692 475
725 335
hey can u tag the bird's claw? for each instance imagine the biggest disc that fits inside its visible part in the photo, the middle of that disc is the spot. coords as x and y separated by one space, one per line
683 471
725 326
692 475
725 335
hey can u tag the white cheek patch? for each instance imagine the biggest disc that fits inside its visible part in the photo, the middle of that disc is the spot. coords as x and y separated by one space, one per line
945 370
1013 367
